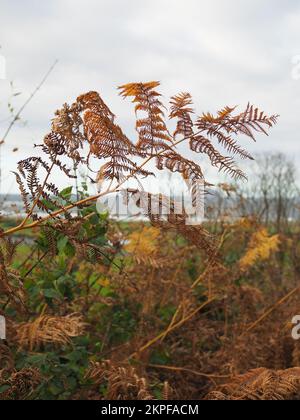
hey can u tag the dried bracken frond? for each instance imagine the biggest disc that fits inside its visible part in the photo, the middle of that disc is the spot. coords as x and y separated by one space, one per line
49 329
123 383
200 144
152 130
190 171
244 123
93 102
89 121
107 140
50 238
66 136
167 391
42 194
222 128
153 261
162 213
21 384
23 192
261 384
175 312
260 248
181 109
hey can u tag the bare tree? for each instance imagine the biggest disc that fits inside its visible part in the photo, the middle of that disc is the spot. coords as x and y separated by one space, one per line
272 192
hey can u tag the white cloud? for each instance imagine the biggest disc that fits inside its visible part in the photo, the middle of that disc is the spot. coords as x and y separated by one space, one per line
223 52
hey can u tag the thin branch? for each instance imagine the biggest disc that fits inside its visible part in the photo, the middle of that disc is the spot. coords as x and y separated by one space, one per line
172 328
191 371
271 310
17 116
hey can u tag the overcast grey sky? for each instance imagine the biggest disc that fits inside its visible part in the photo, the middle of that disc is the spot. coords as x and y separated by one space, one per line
225 52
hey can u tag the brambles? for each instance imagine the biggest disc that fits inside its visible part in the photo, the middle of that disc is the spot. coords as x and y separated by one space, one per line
178 310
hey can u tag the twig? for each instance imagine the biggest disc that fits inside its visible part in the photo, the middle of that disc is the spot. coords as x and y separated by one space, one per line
193 372
17 116
199 280
40 259
172 328
272 309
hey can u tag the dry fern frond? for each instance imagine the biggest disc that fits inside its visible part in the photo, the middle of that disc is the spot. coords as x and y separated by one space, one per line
261 384
197 235
106 139
66 136
153 261
222 128
260 249
190 171
90 121
180 109
244 123
167 391
21 384
42 194
200 144
123 383
152 130
208 128
49 329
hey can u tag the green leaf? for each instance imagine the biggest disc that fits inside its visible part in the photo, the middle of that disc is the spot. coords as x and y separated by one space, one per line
61 243
4 388
51 294
66 193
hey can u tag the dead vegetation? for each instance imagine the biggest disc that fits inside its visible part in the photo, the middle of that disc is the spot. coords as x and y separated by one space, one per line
104 310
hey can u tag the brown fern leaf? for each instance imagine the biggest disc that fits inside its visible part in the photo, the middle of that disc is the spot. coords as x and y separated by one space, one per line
152 130
21 384
51 239
66 136
93 102
23 192
107 139
200 144
261 384
49 329
252 119
154 206
224 125
190 171
123 383
174 162
180 109
167 391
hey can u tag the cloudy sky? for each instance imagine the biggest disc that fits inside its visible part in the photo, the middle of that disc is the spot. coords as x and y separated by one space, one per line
223 52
